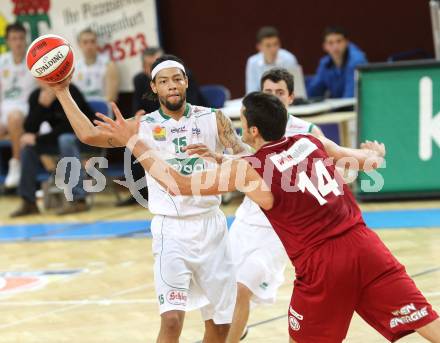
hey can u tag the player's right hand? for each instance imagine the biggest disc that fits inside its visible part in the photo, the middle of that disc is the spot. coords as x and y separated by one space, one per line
62 85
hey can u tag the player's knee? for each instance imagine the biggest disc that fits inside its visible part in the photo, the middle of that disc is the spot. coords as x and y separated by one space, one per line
243 293
219 331
172 322
222 330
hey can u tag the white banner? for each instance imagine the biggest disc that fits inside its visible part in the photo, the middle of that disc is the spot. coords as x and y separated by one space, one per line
124 27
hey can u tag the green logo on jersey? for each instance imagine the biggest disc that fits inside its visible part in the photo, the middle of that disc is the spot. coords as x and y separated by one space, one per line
161 300
264 285
187 166
147 119
12 93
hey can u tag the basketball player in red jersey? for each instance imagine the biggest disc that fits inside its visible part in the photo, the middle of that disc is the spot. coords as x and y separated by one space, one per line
341 266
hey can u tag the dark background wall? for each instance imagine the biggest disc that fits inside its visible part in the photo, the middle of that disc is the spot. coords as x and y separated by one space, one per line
215 37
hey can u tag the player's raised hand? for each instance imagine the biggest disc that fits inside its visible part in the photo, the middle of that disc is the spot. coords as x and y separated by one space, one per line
60 86
120 129
203 151
375 146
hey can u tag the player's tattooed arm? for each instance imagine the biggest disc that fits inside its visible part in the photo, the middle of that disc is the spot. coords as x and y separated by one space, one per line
228 136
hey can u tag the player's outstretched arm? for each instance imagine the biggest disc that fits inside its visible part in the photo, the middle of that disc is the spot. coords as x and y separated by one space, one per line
230 175
370 156
83 127
227 177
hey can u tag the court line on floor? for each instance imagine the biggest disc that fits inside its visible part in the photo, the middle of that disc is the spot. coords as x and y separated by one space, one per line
387 219
109 302
427 271
85 302
71 307
260 323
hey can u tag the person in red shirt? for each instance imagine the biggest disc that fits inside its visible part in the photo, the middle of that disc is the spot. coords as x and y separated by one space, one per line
341 265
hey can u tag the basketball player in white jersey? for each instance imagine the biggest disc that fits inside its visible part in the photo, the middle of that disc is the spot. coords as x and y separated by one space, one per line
16 84
95 74
193 263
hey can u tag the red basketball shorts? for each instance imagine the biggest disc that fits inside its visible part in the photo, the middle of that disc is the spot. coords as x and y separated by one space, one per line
354 272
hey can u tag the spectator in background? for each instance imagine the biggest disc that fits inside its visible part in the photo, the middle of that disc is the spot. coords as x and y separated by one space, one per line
142 85
16 83
60 141
270 55
335 74
95 74
141 82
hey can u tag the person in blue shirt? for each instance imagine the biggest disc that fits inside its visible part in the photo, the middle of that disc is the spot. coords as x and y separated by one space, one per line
335 74
270 55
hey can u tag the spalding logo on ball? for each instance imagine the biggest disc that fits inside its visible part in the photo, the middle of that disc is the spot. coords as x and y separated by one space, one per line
50 58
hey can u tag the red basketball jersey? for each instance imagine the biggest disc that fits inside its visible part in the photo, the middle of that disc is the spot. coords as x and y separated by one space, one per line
311 202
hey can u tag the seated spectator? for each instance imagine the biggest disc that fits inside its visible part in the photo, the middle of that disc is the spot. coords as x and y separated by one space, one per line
142 85
270 55
335 75
95 75
16 83
60 141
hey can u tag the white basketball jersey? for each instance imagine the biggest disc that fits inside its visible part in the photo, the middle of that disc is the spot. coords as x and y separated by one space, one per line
296 126
198 125
90 78
16 82
248 211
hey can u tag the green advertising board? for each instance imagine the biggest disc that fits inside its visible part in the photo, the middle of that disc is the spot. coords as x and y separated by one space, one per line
399 105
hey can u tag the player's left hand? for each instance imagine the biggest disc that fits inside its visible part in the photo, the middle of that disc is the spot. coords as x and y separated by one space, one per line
120 129
378 148
203 151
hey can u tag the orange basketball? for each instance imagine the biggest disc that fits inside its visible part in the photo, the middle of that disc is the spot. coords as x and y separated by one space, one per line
50 58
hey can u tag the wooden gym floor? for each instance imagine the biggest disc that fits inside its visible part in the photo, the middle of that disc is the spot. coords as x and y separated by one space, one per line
101 290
